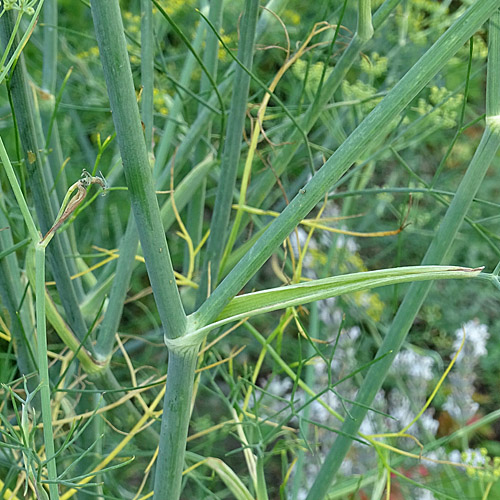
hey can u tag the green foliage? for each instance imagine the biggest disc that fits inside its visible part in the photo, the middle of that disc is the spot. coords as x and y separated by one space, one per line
282 360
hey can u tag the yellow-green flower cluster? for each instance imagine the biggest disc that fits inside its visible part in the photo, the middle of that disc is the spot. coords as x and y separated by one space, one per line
490 472
132 22
375 66
428 6
299 69
362 92
229 40
173 6
444 115
91 53
160 100
25 6
291 17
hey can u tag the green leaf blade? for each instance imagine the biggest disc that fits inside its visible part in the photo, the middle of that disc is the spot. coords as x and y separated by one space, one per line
264 301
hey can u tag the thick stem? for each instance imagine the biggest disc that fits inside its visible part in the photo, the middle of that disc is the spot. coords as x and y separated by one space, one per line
113 50
365 27
175 424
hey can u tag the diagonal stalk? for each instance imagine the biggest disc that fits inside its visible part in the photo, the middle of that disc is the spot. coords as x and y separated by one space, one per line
369 131
436 253
130 240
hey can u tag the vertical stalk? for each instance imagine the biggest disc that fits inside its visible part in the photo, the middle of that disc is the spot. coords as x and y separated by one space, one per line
147 70
23 108
49 68
175 424
231 155
46 109
10 285
436 254
309 376
121 282
43 111
161 170
43 370
114 57
365 27
194 222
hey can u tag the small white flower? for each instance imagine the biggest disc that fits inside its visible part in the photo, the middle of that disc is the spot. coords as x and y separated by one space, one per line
470 456
428 423
280 387
455 457
425 495
367 428
461 408
399 407
476 336
410 363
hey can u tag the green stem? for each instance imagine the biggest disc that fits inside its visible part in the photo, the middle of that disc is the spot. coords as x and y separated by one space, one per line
167 139
231 155
37 174
174 424
43 370
130 240
49 69
147 70
124 268
113 50
48 129
365 27
11 291
305 426
185 191
196 208
23 206
4 69
417 292
261 479
11 39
